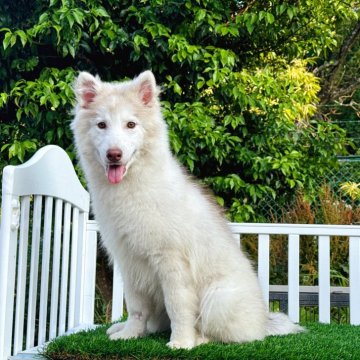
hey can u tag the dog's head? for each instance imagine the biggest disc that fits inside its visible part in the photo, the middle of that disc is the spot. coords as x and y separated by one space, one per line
114 122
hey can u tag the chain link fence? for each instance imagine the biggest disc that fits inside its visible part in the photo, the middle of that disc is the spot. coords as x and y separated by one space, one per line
270 209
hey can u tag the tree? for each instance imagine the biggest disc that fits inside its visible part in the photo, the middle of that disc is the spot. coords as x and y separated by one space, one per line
340 72
238 93
340 80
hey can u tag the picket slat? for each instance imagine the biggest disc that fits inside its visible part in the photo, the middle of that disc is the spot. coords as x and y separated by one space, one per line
293 277
264 265
324 278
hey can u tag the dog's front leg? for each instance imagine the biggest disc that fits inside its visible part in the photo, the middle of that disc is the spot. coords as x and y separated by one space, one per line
138 314
181 301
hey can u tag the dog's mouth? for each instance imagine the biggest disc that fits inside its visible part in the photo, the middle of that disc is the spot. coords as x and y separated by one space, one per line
115 173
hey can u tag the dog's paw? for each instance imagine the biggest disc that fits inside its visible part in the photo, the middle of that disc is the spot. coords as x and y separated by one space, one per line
201 340
115 328
183 344
126 333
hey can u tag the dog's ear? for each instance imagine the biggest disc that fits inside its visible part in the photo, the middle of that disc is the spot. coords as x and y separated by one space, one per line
146 87
86 87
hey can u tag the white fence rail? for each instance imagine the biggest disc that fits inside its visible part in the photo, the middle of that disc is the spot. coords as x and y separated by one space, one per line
324 234
48 256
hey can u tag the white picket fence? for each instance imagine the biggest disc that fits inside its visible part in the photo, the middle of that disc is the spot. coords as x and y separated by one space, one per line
48 256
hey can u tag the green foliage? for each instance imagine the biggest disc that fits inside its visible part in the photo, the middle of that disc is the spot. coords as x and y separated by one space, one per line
352 189
237 92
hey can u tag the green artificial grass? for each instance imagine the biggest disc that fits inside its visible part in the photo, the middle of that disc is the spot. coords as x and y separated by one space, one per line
319 342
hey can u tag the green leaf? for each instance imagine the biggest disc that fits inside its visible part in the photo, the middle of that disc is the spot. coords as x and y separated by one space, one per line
270 18
282 8
19 114
49 136
4 147
141 40
57 28
43 18
7 39
249 27
78 16
23 37
70 20
60 132
290 13
220 201
100 11
190 164
71 50
13 40
3 99
200 15
177 89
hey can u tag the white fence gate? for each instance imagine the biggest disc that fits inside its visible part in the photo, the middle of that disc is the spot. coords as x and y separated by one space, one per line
48 256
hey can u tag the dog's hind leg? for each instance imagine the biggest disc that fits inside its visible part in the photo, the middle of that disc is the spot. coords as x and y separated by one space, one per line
229 314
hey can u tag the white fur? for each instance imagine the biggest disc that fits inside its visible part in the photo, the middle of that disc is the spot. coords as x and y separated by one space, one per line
180 265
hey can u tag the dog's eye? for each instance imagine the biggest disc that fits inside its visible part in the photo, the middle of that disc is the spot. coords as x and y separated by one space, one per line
102 125
130 124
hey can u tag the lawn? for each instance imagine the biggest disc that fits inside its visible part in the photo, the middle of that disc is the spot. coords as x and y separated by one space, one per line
321 341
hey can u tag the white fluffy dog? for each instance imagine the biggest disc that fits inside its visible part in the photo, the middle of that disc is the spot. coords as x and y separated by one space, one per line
181 267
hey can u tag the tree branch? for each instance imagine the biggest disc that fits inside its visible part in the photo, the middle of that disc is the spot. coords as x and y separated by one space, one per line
332 72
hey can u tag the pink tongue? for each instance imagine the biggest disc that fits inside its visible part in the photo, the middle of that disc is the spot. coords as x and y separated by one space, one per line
116 173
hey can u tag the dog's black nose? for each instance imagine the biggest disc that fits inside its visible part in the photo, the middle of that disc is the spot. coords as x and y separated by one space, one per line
114 155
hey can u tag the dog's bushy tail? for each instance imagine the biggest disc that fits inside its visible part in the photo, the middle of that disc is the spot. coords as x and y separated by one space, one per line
280 324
